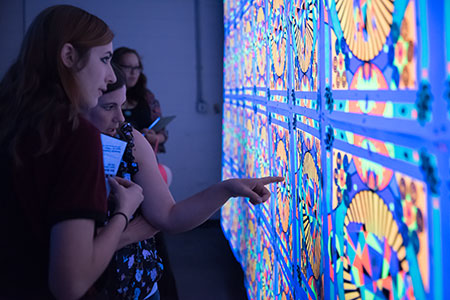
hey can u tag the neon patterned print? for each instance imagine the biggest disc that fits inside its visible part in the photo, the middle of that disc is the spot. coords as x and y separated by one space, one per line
283 289
282 195
385 109
304 17
370 48
260 25
266 262
249 143
371 204
262 158
349 101
277 30
247 42
308 172
250 246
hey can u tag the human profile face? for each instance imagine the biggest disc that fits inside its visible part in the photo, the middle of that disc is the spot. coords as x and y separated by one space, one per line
94 75
129 63
107 115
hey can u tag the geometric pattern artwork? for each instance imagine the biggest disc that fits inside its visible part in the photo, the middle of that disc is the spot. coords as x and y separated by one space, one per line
304 19
308 172
282 192
380 227
349 101
370 49
277 37
266 267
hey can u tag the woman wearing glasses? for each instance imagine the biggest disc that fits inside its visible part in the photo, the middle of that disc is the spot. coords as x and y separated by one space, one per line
141 107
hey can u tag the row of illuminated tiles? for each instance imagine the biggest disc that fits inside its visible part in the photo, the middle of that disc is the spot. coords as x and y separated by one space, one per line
251 50
248 130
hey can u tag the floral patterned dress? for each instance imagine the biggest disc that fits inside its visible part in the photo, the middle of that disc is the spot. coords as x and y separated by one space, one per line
135 268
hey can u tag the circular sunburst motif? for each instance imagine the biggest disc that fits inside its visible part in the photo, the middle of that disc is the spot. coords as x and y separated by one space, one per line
278 44
366 25
374 258
304 20
311 211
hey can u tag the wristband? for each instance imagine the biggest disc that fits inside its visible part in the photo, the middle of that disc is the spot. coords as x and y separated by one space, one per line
122 214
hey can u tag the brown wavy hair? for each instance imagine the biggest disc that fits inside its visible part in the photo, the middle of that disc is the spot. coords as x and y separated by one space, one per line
139 91
38 89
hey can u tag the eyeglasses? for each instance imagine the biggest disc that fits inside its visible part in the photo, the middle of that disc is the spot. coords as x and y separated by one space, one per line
129 69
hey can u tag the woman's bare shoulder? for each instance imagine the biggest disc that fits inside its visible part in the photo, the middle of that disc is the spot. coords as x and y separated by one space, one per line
142 149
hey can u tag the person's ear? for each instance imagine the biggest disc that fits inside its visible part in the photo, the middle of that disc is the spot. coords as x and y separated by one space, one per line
69 55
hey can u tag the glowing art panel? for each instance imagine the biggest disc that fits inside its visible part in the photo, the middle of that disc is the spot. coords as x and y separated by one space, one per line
262 163
260 29
231 215
265 266
239 58
262 142
277 32
387 149
373 44
227 133
304 20
235 133
240 137
382 109
348 101
447 54
249 249
379 240
282 196
249 152
308 216
236 226
230 44
230 8
284 290
248 57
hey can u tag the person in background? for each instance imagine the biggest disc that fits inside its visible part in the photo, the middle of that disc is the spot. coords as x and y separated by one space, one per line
53 185
135 270
141 107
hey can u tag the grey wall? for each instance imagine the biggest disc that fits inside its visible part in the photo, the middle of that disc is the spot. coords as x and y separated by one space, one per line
11 32
164 34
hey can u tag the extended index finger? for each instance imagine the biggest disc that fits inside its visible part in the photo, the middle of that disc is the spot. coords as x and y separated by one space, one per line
271 179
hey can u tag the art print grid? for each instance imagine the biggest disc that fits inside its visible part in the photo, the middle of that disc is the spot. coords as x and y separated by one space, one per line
355 95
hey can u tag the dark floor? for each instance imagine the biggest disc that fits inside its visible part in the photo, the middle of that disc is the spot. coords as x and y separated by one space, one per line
204 266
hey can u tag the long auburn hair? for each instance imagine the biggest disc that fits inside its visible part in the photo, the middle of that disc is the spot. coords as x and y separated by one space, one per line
139 91
38 88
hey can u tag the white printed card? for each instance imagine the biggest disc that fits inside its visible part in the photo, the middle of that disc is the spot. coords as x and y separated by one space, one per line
113 150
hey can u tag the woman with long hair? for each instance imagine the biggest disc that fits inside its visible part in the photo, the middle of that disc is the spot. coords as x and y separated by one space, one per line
141 108
53 185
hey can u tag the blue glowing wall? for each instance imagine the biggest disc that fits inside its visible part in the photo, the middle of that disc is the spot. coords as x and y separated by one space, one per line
349 101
